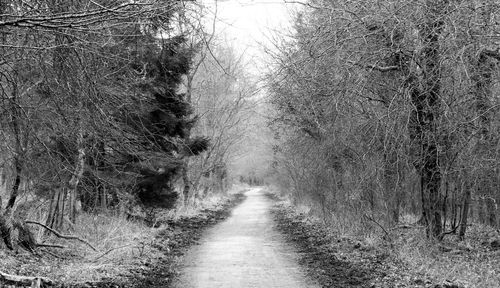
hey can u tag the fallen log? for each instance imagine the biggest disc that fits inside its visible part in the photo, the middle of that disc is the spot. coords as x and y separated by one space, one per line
34 282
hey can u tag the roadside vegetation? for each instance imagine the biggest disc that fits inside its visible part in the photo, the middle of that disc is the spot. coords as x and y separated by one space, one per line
129 253
126 128
116 118
386 128
403 257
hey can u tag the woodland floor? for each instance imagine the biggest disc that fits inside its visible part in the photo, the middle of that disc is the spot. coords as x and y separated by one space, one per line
154 262
174 241
402 259
407 260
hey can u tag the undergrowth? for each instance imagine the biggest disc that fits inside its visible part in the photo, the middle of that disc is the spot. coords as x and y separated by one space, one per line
414 259
468 263
121 245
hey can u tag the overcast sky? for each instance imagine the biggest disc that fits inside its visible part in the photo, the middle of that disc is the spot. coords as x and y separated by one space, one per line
248 24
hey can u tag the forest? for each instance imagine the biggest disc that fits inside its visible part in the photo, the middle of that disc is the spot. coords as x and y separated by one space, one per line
120 119
385 118
389 108
111 111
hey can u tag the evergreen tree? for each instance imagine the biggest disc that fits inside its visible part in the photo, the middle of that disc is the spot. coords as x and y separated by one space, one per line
160 121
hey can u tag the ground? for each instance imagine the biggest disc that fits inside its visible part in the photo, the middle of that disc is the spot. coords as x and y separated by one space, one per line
174 240
264 241
244 251
401 258
130 254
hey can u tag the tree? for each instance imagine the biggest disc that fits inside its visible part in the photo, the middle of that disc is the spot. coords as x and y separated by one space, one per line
381 92
221 95
90 105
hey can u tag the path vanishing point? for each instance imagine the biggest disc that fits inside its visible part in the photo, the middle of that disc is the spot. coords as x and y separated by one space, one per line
244 251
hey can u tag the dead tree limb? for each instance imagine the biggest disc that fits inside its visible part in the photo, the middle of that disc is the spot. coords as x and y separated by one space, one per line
50 246
61 235
25 280
375 67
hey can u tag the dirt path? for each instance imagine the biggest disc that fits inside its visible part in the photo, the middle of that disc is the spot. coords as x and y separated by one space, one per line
243 251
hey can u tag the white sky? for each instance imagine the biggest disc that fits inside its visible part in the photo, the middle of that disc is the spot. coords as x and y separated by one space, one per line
247 25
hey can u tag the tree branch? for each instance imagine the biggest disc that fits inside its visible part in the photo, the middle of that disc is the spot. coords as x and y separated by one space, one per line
375 67
79 18
61 235
50 246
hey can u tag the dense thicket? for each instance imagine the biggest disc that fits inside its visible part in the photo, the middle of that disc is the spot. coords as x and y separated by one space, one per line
92 109
388 108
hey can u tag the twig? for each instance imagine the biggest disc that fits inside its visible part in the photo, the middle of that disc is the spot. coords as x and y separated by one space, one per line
61 235
110 250
378 224
375 67
50 246
55 255
452 231
402 226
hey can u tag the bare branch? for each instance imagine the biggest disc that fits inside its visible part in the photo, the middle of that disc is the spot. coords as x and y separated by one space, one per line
375 67
71 237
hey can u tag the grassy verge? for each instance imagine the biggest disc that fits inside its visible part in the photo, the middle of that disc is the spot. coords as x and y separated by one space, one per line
401 258
175 237
119 244
128 253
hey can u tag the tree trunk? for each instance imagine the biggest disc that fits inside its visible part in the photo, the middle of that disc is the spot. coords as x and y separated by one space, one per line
56 209
104 198
68 194
465 212
76 177
6 216
391 189
185 179
481 210
6 230
185 169
424 118
18 152
491 210
15 187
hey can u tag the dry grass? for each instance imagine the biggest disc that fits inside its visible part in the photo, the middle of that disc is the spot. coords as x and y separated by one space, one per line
195 206
470 263
122 245
345 222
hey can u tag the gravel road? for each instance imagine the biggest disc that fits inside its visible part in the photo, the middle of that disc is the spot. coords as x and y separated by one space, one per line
244 251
